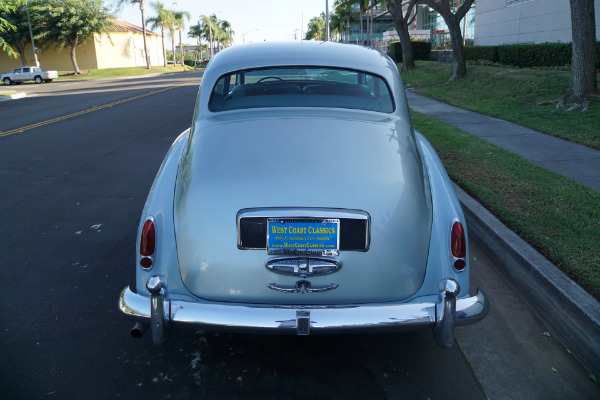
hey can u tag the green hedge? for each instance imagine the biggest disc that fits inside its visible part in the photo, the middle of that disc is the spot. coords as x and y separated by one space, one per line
526 55
421 50
481 53
535 55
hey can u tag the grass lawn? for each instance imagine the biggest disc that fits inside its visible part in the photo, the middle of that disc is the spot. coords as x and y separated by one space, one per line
556 215
512 95
120 72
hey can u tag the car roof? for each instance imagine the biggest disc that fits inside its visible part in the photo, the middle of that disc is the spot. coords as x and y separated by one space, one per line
302 53
307 53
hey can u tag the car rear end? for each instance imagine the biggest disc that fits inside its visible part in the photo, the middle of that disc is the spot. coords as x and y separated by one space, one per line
302 207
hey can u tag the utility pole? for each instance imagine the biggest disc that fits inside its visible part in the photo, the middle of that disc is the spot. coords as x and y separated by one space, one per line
37 63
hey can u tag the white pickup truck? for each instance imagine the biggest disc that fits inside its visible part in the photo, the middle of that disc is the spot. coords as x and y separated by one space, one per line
28 74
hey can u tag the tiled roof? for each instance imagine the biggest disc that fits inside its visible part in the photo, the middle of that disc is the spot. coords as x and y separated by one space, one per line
123 26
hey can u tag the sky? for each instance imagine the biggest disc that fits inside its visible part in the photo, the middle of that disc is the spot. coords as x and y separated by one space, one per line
252 21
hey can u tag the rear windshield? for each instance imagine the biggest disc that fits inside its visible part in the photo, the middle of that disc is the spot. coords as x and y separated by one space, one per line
301 87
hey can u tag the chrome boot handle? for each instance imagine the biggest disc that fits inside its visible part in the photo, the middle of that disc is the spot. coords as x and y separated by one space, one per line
302 287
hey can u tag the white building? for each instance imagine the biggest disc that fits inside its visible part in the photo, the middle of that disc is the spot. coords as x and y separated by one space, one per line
525 21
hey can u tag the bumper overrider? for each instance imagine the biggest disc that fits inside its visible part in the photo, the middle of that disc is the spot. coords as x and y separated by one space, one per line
442 315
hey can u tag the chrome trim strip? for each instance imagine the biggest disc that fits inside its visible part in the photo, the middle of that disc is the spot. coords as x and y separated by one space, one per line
303 287
223 317
302 212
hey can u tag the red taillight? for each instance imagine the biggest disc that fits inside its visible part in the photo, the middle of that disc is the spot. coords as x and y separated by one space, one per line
148 239
458 245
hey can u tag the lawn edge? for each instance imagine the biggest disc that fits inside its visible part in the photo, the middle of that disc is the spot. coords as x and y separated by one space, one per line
569 311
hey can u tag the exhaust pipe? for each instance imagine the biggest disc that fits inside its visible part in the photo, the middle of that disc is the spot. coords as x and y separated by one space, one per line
138 330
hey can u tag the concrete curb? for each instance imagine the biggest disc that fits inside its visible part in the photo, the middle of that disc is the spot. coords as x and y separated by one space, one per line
13 96
571 313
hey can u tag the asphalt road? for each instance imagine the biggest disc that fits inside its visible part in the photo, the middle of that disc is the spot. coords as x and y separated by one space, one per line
76 163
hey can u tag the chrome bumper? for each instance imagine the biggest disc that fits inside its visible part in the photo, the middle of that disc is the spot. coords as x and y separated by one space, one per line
161 314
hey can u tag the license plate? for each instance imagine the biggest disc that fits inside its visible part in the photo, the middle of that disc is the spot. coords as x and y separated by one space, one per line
303 236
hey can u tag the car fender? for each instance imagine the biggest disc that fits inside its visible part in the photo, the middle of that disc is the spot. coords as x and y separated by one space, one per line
446 209
159 206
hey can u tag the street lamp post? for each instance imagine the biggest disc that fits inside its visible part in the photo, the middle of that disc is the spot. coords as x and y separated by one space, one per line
244 34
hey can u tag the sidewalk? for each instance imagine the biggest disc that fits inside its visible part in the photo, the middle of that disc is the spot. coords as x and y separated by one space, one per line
575 161
570 313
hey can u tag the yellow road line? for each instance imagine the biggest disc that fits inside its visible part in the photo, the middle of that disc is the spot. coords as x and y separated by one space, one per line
89 110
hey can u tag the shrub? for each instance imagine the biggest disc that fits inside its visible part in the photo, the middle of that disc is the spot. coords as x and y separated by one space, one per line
535 55
481 53
421 50
542 55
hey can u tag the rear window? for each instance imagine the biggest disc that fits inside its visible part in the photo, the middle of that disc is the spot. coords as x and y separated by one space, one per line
301 87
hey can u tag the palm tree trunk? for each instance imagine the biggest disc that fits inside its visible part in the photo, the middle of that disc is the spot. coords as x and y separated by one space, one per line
173 49
200 47
181 48
162 33
144 34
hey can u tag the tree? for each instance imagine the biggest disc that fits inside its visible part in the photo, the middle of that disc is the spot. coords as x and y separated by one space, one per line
170 25
226 33
142 10
197 32
402 19
69 23
452 19
14 29
208 32
363 6
337 26
583 84
316 28
179 21
344 9
160 20
215 31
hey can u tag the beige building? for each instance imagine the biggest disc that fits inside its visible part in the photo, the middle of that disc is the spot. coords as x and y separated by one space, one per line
123 47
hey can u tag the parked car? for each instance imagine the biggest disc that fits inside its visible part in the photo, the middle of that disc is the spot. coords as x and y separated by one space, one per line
302 201
23 74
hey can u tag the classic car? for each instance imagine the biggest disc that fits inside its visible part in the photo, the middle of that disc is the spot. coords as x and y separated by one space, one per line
302 201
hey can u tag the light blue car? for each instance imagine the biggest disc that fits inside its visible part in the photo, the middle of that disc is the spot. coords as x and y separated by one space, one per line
302 201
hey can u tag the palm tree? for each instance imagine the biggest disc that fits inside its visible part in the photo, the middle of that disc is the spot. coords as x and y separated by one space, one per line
178 17
170 25
142 8
215 31
316 28
337 26
196 31
160 20
345 9
208 31
226 34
